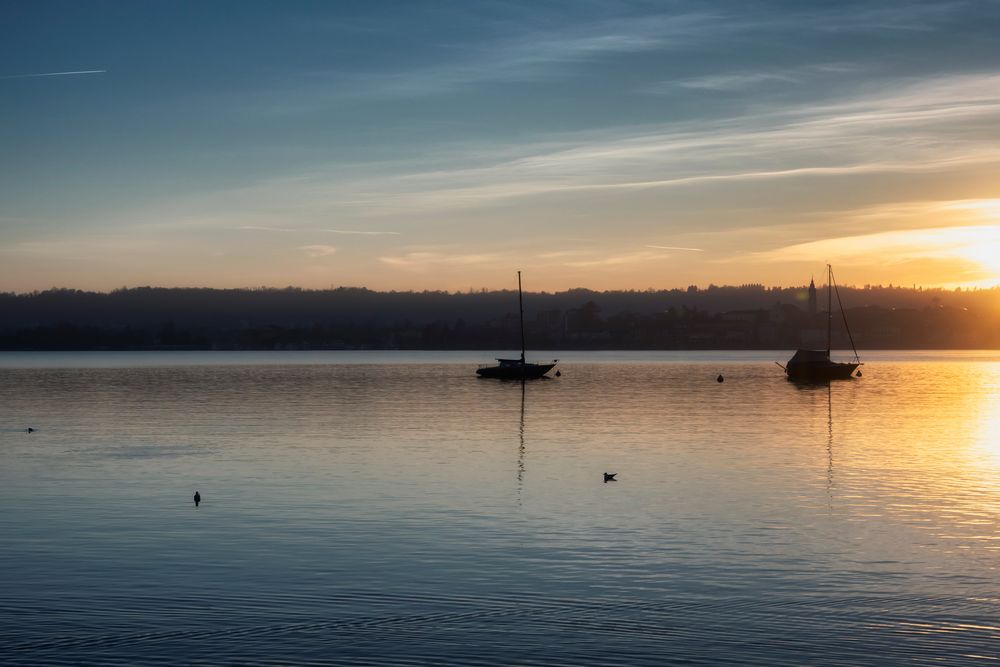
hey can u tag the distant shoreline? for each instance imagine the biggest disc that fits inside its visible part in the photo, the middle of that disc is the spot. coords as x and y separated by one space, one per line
747 317
536 352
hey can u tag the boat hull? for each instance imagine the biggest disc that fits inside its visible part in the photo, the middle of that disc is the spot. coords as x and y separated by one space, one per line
515 372
820 372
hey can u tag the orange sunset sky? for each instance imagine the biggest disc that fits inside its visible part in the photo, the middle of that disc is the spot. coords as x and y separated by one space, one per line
435 146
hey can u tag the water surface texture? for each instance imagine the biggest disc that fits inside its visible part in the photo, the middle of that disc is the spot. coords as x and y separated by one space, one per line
392 508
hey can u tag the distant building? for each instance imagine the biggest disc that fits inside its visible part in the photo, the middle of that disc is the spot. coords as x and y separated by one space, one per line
812 297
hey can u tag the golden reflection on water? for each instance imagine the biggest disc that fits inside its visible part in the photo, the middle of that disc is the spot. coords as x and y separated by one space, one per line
921 446
987 418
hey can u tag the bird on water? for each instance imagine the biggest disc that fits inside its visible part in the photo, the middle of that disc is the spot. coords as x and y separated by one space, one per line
197 498
610 477
30 430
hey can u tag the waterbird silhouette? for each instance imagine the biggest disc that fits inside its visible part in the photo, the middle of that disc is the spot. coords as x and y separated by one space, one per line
610 477
30 430
197 498
720 378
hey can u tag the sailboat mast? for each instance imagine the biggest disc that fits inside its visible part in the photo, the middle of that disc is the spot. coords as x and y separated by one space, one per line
843 314
520 305
829 307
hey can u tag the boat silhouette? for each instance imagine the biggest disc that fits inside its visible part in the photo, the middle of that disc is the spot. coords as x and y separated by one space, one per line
516 369
816 365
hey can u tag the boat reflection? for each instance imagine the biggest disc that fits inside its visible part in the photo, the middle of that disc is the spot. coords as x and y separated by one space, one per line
829 446
520 448
819 386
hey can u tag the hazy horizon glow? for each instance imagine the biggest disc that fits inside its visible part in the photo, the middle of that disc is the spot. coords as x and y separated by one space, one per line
445 146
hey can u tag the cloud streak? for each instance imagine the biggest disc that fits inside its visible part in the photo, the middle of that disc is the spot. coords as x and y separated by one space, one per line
535 55
317 251
44 74
423 260
913 128
354 232
673 247
358 232
261 228
623 260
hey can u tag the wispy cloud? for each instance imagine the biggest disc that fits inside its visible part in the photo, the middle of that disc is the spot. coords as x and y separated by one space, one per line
524 51
560 254
738 81
422 260
541 54
879 17
317 251
526 55
753 79
74 248
673 247
359 232
937 125
260 228
625 259
915 127
858 136
913 215
41 74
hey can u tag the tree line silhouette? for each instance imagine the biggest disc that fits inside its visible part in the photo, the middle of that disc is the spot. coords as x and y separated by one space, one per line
727 317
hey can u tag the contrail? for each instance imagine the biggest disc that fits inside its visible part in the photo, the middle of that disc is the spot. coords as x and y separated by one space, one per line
673 247
32 76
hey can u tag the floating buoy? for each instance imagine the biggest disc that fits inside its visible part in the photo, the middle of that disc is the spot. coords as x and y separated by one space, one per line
859 373
720 378
558 374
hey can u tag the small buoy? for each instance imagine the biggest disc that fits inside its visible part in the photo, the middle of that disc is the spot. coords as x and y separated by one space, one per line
558 374
859 373
197 498
610 477
720 378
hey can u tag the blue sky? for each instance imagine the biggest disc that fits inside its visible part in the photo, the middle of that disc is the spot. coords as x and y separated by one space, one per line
443 145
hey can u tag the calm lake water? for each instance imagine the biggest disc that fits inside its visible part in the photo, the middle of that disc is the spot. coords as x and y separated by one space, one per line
391 508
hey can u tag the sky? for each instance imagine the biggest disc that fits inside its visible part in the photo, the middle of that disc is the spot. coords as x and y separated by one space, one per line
446 145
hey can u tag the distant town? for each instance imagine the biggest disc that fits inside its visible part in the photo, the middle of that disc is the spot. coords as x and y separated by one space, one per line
748 316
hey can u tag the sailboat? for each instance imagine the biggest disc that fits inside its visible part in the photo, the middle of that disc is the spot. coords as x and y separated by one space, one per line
516 369
815 365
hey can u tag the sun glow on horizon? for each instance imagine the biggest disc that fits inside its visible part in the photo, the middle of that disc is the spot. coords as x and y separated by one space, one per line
961 254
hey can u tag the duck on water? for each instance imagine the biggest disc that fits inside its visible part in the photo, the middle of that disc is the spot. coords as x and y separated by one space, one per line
516 369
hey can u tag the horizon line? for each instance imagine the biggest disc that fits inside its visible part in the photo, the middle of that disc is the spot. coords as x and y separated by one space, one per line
480 290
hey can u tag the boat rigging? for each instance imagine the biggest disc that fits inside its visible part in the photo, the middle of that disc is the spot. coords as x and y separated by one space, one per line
516 369
815 365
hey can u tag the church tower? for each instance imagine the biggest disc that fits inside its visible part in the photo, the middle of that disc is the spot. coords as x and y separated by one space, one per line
812 297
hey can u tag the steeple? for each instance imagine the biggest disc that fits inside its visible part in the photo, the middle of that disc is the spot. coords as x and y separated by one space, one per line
812 296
